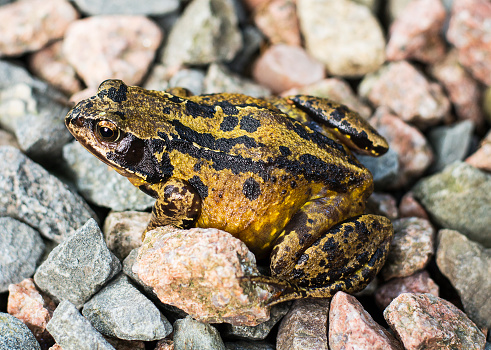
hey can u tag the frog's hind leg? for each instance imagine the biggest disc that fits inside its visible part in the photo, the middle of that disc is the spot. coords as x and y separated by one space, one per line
346 257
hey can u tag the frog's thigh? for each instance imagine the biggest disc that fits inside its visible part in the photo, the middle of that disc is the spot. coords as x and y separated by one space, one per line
178 204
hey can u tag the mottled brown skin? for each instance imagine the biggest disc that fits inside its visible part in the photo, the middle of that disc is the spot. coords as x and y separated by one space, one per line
275 173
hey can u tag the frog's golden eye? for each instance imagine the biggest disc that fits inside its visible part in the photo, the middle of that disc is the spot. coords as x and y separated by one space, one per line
107 131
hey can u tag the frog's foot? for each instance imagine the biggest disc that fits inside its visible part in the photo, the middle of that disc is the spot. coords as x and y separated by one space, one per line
346 257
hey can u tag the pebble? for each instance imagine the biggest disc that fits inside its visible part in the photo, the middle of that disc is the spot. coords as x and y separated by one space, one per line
382 204
282 67
450 143
416 33
30 194
351 327
117 46
200 271
463 90
481 159
467 265
72 331
413 150
351 45
21 247
385 169
245 345
459 198
395 8
8 139
469 32
277 19
33 111
36 22
119 310
120 344
51 65
207 31
14 334
424 321
127 7
420 282
407 92
100 184
191 79
411 249
164 344
123 231
410 207
190 334
305 326
78 267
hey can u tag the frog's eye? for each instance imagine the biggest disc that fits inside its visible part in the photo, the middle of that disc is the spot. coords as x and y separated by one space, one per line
107 131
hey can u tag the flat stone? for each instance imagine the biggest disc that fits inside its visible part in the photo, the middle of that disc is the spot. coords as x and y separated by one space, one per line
305 326
424 321
21 248
127 7
385 169
77 268
14 334
36 23
459 198
207 31
116 46
411 249
277 19
119 310
352 327
100 184
194 335
30 194
466 264
72 331
201 272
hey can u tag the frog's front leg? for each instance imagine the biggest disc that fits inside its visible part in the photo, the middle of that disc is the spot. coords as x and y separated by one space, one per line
178 204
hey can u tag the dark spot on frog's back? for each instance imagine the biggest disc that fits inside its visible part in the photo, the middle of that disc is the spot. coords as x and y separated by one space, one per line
285 151
196 110
229 123
202 189
228 108
249 123
251 189
116 95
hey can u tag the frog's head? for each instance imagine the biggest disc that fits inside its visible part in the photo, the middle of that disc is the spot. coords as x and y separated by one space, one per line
110 126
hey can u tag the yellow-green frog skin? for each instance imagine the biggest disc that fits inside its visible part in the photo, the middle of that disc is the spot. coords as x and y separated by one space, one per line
275 173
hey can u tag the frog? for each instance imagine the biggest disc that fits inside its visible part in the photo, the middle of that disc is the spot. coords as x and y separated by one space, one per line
278 173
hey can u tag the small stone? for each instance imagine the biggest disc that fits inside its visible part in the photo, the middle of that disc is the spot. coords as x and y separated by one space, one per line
463 91
351 327
7 139
200 271
407 92
50 65
36 23
469 33
100 184
413 150
207 31
385 169
30 194
33 308
127 7
382 204
118 47
395 8
119 310
21 248
411 248
424 321
334 89
120 344
351 45
305 326
450 143
410 207
416 33
72 331
77 268
459 198
481 159
164 344
466 264
249 345
277 19
14 335
123 231
191 79
194 335
420 282
282 67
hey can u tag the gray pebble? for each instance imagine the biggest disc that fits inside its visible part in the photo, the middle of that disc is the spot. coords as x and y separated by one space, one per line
120 310
73 332
249 345
190 334
127 7
14 334
384 169
20 249
30 194
78 267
